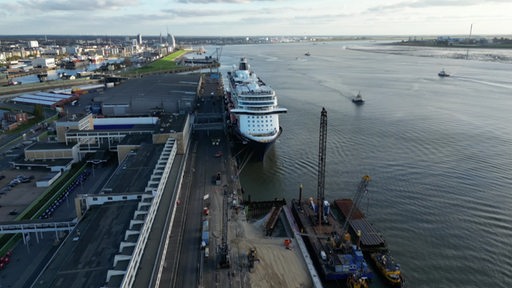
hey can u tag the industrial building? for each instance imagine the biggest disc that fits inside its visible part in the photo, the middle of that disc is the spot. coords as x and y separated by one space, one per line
48 63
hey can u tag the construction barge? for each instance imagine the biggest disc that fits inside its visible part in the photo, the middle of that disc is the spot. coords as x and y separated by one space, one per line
334 255
370 240
330 246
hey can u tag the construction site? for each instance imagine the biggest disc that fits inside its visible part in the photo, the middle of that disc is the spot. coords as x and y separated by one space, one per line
279 244
275 243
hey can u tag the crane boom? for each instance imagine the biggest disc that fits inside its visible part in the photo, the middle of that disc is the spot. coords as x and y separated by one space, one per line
360 192
322 143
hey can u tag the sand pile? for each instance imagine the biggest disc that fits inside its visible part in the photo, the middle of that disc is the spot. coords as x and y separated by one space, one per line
277 266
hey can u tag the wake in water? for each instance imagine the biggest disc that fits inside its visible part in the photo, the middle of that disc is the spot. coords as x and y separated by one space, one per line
476 80
489 55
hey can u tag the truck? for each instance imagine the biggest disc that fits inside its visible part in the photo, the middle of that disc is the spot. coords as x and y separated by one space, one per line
205 237
12 82
218 179
206 253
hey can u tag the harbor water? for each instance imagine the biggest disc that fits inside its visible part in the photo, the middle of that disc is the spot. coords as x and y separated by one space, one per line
438 150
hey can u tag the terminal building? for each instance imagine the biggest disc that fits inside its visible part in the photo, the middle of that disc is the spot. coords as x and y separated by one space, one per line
120 115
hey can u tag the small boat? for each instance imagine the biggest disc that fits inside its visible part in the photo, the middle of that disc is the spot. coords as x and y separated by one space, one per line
358 99
388 268
442 73
307 54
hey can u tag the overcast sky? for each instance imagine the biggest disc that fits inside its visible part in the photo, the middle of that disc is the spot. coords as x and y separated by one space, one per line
255 17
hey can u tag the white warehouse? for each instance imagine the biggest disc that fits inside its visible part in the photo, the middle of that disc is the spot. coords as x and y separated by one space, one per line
48 63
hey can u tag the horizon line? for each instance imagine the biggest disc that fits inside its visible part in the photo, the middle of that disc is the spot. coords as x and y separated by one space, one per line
245 36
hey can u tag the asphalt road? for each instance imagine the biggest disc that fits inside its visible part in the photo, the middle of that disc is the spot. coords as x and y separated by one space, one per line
185 265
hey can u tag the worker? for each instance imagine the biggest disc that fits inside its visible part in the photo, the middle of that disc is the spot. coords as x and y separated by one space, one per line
287 243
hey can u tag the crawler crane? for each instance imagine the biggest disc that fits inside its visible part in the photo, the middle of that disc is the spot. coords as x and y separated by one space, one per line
360 192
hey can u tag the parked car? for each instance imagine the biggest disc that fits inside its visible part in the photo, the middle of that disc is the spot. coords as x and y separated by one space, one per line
13 82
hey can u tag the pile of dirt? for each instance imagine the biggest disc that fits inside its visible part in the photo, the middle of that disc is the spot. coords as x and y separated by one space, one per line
276 266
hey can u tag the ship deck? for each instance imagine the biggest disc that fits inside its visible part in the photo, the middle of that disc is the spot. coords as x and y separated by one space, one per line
371 240
319 239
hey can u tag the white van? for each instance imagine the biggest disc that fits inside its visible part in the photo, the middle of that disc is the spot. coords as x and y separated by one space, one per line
206 253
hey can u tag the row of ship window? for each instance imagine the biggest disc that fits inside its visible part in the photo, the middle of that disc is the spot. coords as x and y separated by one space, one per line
260 119
260 122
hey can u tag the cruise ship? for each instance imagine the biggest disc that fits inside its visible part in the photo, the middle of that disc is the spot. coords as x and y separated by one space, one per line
253 108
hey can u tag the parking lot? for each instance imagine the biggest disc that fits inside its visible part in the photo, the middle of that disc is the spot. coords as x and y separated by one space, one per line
17 191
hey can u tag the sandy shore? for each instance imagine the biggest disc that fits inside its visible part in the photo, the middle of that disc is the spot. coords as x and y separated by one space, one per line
277 266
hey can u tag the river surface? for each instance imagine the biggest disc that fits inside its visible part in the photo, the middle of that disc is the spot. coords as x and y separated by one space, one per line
438 150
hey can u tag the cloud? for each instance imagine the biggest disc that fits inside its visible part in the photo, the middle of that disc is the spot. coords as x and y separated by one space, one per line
223 1
432 4
75 5
251 17
185 13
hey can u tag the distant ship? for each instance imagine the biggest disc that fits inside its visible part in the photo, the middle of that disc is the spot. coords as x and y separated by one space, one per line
442 73
253 108
358 99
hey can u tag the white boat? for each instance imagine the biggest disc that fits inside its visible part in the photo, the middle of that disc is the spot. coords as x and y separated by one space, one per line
253 108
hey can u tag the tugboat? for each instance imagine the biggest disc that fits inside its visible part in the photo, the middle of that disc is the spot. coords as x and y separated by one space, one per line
388 268
442 73
358 99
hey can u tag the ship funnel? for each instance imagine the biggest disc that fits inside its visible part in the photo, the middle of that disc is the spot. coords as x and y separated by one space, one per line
243 64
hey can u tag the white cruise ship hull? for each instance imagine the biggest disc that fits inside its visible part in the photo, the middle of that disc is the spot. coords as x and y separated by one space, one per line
258 148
